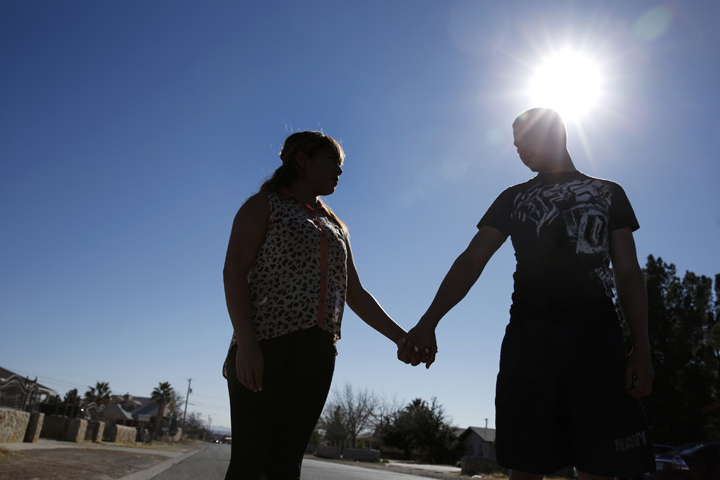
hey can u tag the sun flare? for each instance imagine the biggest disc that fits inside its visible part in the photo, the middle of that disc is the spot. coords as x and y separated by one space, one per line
568 82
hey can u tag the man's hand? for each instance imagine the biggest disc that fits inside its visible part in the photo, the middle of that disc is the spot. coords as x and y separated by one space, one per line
638 374
249 364
420 346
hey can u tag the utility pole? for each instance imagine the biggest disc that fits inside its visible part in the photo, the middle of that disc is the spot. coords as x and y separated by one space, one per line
186 404
208 426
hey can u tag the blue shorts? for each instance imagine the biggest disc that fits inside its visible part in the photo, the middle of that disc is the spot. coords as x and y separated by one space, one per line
561 401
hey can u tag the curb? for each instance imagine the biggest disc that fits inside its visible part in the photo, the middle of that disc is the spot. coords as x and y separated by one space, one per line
160 467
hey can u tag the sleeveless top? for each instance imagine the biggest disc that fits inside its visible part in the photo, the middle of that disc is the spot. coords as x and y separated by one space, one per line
299 277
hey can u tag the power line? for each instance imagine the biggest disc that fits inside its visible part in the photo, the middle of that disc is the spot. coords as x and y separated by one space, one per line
204 405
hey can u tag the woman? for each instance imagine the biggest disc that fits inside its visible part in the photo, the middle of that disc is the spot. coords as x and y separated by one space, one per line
288 272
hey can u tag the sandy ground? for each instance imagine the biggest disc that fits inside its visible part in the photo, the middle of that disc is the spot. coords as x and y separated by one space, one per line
85 462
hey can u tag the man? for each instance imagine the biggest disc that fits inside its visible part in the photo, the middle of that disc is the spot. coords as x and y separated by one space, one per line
567 390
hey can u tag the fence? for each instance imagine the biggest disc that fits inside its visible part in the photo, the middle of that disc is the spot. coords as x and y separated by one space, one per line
19 393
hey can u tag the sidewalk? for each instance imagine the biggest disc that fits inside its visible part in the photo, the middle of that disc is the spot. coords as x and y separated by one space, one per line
438 472
171 450
443 469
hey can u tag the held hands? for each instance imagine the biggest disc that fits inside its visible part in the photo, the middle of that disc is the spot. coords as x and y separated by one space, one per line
419 346
249 364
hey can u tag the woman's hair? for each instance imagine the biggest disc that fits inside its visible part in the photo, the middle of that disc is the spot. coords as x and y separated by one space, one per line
309 143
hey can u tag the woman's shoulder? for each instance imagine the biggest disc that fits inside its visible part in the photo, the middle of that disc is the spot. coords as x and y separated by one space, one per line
257 205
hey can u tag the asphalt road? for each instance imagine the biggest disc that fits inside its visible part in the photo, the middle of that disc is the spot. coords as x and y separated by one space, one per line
211 463
319 470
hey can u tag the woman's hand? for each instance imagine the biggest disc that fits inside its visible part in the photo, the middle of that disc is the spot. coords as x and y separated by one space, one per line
420 346
249 364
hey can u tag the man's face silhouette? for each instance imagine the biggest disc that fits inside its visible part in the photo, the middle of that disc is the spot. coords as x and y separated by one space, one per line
538 146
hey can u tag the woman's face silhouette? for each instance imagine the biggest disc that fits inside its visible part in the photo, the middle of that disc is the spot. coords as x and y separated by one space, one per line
322 171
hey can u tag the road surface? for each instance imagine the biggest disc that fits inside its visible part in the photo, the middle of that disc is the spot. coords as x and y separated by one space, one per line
211 463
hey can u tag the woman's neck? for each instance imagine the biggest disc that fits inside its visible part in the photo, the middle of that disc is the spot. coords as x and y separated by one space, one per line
303 193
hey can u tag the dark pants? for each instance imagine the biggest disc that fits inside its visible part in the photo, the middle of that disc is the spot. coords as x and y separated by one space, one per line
561 401
271 428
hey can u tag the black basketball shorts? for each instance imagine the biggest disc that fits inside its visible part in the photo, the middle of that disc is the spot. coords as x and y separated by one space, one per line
561 401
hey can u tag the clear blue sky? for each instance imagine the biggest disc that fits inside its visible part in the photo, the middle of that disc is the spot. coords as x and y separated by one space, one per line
131 132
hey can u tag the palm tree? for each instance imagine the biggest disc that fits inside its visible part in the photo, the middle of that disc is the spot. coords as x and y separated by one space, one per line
71 400
99 394
162 395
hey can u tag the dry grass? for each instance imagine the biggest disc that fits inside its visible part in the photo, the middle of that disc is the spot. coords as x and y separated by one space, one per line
6 454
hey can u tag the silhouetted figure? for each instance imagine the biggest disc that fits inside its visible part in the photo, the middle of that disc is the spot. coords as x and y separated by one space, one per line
567 389
288 272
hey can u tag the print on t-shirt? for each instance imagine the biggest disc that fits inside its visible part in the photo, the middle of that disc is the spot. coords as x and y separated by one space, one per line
583 206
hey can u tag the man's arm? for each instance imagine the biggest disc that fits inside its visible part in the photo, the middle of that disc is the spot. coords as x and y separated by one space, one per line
632 296
457 283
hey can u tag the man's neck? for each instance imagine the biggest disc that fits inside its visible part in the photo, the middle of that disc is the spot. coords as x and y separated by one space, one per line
562 164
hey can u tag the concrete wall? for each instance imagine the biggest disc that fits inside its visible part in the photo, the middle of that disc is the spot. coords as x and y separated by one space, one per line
13 425
76 430
361 454
122 434
33 431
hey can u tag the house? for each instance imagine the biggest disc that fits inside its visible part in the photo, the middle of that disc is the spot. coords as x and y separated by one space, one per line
478 441
132 411
19 392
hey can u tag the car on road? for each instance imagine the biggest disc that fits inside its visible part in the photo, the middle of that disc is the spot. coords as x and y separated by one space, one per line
691 461
660 449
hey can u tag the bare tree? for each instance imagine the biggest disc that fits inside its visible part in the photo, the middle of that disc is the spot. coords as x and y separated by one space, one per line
177 400
356 407
194 423
387 408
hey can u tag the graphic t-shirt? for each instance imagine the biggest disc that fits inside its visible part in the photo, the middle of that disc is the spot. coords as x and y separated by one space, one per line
560 225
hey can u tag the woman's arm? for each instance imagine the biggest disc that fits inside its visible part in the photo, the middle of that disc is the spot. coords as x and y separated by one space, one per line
248 232
367 308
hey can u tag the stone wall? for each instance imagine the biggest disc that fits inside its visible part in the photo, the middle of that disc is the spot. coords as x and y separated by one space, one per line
361 454
474 464
55 427
33 431
122 434
76 430
13 425
328 452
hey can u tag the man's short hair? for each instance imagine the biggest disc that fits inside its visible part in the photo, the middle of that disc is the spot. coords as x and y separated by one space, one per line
540 121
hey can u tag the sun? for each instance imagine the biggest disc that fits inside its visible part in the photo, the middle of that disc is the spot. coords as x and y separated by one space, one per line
568 82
